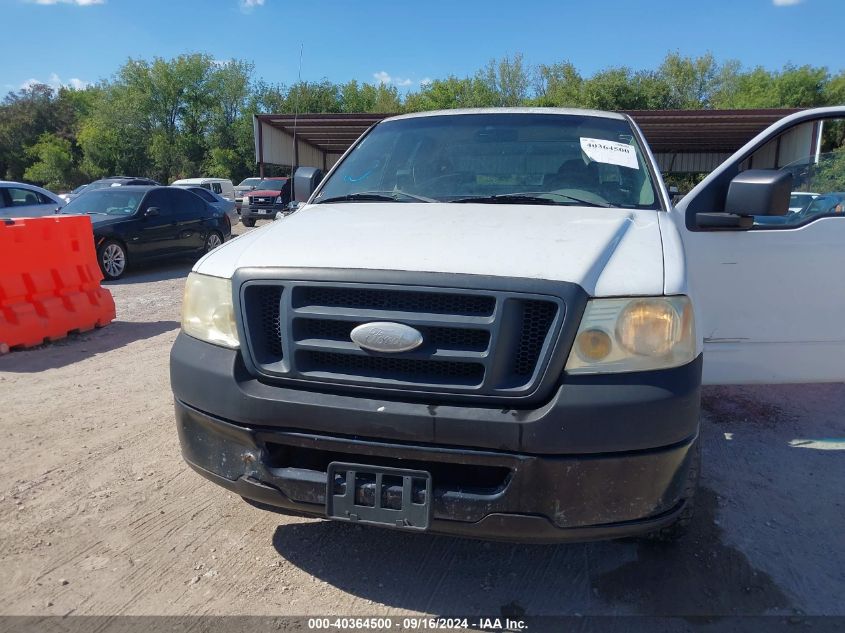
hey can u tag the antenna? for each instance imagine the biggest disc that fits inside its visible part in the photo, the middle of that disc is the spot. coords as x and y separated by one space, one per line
296 114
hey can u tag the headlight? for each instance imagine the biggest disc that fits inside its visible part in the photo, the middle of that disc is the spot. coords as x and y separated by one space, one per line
207 310
636 334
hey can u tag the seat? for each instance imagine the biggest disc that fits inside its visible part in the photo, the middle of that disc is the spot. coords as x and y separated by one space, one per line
574 174
29 200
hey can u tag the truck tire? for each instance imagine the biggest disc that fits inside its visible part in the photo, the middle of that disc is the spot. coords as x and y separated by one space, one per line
677 529
247 221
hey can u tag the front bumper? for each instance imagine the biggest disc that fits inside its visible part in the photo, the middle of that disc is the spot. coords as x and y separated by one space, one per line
607 457
261 213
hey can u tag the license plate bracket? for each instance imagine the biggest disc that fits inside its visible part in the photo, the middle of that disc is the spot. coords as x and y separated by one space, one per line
392 497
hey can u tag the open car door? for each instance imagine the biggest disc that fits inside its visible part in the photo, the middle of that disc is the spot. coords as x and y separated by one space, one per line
764 236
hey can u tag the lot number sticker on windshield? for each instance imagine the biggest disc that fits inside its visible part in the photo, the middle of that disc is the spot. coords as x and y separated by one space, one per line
610 152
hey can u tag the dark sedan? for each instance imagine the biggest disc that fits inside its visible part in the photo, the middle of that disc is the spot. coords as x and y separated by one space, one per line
141 223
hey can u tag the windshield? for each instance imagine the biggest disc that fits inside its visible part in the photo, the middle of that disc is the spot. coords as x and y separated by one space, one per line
271 185
505 158
798 201
104 184
117 201
249 182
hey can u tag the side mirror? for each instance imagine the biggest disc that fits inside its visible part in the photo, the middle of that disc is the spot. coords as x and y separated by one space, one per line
756 192
151 212
305 181
759 192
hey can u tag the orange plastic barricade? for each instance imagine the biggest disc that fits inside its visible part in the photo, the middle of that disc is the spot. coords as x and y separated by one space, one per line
49 280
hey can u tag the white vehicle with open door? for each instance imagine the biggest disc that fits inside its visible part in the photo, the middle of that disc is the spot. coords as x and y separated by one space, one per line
769 296
494 323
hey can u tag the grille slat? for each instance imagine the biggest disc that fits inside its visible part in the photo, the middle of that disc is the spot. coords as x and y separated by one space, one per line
384 368
395 300
310 324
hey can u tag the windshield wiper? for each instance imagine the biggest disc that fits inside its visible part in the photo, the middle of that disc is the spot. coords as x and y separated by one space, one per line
376 196
538 197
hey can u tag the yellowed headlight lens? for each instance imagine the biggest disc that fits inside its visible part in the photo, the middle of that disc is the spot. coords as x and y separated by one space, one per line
649 327
593 345
633 334
208 312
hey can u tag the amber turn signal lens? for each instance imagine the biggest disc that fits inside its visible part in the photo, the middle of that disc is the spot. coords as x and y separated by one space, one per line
593 345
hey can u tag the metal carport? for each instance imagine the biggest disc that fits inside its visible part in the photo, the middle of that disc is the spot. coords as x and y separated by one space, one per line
683 141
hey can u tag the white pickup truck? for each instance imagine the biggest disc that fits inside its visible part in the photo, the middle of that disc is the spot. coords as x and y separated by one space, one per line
494 323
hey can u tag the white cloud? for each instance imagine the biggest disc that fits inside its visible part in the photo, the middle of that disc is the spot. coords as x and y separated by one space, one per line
425 81
386 79
79 3
248 5
382 77
56 82
77 84
786 3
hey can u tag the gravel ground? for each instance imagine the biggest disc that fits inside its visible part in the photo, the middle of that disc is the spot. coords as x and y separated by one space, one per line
100 516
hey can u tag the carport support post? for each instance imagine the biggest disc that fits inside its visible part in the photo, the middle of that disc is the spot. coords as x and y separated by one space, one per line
260 149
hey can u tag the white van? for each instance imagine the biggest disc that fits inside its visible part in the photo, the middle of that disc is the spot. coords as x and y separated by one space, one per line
495 323
220 186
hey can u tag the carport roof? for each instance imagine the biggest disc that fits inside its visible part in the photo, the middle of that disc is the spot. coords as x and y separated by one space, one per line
704 130
330 133
665 130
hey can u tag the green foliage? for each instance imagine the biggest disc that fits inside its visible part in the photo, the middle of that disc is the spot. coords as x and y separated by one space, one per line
558 85
451 92
793 87
829 173
684 182
53 164
689 83
369 98
192 115
115 138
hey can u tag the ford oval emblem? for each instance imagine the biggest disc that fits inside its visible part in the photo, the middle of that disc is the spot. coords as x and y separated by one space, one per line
384 336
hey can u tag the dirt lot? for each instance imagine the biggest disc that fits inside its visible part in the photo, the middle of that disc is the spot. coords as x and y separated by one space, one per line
101 516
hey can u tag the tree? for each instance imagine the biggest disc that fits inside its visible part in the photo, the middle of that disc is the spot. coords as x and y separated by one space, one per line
369 98
451 93
116 135
616 89
834 90
24 116
690 83
558 85
54 165
507 81
792 87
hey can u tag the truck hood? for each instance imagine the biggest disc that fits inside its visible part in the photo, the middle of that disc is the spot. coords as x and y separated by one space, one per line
609 252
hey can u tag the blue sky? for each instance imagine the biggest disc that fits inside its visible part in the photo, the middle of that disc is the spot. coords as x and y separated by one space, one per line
404 42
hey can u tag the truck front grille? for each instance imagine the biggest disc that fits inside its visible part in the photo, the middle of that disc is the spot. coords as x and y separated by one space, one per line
475 342
261 201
